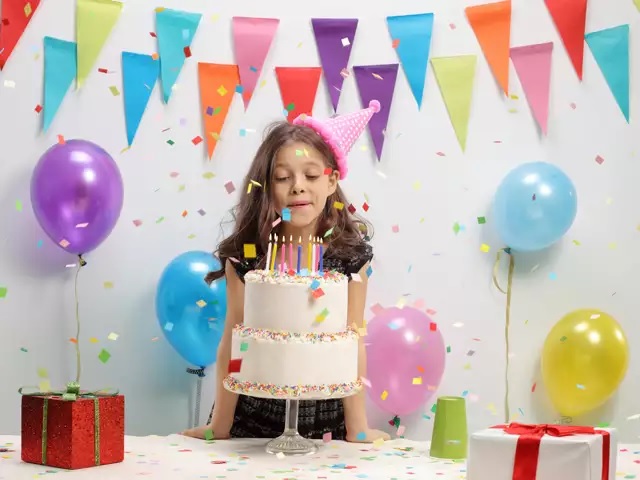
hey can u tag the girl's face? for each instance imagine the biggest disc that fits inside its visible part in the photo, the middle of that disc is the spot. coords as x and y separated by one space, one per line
300 184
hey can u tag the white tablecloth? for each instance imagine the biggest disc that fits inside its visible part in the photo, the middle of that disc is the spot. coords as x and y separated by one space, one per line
177 457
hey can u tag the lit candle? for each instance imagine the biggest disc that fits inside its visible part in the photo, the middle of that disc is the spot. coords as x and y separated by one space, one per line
315 264
267 265
320 269
275 253
299 253
314 255
291 263
282 255
309 249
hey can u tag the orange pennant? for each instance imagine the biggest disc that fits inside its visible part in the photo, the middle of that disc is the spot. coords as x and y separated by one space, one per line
217 88
298 88
491 23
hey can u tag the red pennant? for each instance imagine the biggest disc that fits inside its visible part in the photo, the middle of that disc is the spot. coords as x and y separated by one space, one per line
298 88
15 18
570 17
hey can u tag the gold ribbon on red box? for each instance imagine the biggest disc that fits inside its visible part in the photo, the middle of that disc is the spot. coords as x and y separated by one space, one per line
525 464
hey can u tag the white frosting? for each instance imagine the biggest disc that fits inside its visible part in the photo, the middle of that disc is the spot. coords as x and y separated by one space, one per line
298 363
283 302
295 344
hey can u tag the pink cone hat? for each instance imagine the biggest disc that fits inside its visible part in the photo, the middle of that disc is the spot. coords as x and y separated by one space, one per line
341 132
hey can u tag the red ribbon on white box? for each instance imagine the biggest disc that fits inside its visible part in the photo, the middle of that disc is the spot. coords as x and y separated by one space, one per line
525 464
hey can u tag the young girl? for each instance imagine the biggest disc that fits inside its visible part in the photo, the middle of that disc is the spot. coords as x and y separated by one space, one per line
298 167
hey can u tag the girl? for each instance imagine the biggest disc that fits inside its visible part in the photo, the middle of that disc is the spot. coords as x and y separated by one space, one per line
298 166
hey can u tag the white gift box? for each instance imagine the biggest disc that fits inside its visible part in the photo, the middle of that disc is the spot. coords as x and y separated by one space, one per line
492 454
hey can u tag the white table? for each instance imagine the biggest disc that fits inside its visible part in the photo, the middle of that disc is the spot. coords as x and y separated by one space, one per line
176 457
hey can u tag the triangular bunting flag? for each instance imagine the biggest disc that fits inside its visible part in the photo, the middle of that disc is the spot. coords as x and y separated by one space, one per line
252 38
139 75
533 66
411 35
455 77
218 85
16 15
491 23
570 17
175 31
94 21
60 66
610 48
377 82
298 88
637 2
334 38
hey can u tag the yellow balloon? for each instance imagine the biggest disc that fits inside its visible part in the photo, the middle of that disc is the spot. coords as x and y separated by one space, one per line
584 359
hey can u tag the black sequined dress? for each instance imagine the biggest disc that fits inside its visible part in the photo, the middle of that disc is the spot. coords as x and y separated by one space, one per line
264 418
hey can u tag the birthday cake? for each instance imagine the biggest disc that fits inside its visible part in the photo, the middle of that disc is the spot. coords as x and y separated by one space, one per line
295 342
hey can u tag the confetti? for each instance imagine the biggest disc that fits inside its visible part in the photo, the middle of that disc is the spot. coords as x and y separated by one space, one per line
112 336
481 221
137 223
38 108
433 326
365 206
249 250
395 43
10 84
44 385
196 140
286 214
93 340
222 91
104 356
395 228
326 438
400 430
599 160
3 292
201 303
485 248
208 435
280 455
417 381
114 90
42 372
187 52
345 42
168 326
229 187
107 284
338 205
244 346
384 395
328 232
361 436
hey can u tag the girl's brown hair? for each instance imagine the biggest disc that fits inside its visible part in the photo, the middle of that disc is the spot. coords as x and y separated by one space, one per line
254 215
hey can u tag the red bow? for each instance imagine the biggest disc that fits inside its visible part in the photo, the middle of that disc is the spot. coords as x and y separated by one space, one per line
525 465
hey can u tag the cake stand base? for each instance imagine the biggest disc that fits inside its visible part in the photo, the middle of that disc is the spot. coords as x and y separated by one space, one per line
291 443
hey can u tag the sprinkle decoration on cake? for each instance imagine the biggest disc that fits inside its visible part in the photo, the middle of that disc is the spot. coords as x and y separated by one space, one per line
282 336
289 391
290 276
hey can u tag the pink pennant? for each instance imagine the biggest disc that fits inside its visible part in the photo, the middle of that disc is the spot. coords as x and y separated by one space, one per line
252 38
533 66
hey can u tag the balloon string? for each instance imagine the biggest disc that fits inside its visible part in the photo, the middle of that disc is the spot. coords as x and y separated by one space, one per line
81 263
507 323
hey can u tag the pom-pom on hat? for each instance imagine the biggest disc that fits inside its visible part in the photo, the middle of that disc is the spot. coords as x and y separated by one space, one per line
341 132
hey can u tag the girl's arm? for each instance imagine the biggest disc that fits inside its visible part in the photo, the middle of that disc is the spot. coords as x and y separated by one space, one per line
225 404
355 414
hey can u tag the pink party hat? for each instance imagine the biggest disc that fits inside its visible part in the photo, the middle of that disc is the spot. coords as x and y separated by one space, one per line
341 132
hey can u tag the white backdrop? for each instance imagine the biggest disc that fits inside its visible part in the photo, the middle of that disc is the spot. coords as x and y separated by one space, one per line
425 259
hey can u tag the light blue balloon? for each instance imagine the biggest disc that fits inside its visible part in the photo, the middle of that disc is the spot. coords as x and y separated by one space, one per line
534 206
192 328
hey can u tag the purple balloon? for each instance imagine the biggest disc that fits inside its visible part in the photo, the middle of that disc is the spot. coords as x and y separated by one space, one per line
77 195
401 347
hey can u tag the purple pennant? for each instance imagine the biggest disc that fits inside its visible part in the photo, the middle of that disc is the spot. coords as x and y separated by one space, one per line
377 82
334 37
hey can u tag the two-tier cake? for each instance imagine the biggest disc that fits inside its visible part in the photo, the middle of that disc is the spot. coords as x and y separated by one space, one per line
295 343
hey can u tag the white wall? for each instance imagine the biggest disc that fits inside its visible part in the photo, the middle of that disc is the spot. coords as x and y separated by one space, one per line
448 271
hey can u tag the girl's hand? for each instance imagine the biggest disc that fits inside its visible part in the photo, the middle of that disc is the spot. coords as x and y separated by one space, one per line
367 435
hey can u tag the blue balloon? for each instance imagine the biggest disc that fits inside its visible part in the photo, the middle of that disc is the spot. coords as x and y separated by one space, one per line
534 206
193 328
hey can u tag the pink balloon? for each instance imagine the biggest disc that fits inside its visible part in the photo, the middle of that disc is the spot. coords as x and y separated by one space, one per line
401 346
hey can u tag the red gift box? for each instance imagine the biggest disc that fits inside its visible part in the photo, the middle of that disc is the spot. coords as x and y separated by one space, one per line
72 431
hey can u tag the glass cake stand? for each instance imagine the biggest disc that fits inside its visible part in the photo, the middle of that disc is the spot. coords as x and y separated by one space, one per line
291 442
